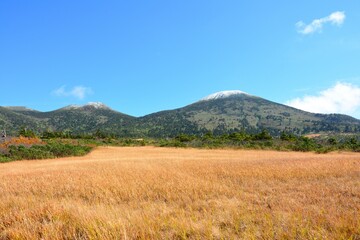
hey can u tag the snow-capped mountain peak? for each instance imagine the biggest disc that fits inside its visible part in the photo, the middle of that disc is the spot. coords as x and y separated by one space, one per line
96 105
223 94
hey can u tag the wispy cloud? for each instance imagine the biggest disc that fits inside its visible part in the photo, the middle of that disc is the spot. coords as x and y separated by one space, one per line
79 92
335 18
342 98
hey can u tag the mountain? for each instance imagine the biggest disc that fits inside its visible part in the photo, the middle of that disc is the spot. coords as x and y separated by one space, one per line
229 111
221 112
86 118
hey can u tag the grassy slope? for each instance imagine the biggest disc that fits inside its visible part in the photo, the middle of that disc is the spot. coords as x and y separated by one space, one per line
182 193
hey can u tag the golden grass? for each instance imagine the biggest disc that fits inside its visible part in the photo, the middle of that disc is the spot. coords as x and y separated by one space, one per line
168 193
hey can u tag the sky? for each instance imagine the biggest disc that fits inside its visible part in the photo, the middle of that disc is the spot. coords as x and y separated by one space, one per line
140 57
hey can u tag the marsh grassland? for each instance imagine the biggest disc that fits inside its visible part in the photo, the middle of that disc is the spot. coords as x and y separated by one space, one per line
169 193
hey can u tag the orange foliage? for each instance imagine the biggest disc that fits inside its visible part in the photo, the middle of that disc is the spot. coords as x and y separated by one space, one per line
21 141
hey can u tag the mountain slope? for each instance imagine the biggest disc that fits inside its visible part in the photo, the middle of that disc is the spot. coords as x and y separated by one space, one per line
15 118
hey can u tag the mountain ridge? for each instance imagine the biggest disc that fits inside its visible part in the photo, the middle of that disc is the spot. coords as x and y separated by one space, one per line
221 112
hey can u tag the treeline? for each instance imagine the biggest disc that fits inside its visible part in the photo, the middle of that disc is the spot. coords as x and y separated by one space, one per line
263 140
25 132
286 141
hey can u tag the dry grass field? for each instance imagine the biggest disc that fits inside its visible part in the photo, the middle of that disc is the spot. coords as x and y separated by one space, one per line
168 193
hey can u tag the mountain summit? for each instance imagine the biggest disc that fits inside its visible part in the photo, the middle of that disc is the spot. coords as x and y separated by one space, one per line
224 94
96 105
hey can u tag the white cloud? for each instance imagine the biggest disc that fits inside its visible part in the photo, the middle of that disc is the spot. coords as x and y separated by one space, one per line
335 18
342 98
79 92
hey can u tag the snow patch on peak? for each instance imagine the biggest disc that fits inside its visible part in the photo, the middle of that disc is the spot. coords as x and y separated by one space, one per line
96 105
223 94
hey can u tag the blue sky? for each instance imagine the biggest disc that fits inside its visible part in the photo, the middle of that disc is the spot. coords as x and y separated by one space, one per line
140 57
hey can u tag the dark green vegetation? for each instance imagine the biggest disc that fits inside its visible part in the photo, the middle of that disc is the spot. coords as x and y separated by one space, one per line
263 140
50 149
236 113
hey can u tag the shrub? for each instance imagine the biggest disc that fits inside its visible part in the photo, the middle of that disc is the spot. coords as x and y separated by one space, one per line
24 132
50 150
184 138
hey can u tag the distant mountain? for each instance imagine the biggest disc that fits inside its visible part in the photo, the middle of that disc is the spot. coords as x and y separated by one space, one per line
221 112
74 118
88 118
230 111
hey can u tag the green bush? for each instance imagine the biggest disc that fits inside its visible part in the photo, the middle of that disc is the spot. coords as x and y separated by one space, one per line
184 138
288 137
4 159
26 132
